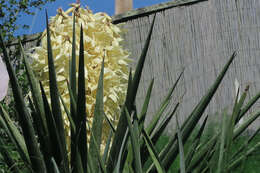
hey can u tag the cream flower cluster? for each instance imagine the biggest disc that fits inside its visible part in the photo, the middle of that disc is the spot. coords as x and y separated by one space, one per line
102 39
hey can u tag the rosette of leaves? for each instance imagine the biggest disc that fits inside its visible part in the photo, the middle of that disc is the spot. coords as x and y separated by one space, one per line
102 39
131 146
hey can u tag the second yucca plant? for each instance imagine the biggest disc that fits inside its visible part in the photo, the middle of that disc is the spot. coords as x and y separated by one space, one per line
130 146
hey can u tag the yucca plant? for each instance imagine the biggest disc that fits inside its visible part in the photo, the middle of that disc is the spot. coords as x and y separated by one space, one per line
101 39
130 146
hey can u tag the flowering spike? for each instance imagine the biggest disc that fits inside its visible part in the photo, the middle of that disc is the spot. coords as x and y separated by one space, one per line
101 39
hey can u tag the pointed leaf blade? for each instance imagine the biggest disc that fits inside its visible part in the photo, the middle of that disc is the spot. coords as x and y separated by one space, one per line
133 128
81 106
163 106
98 118
130 98
196 114
181 148
15 135
153 153
55 101
24 116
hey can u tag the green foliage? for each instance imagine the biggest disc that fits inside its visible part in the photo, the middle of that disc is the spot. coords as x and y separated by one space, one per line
134 148
11 10
251 163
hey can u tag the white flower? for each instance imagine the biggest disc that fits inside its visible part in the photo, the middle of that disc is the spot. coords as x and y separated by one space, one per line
4 79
